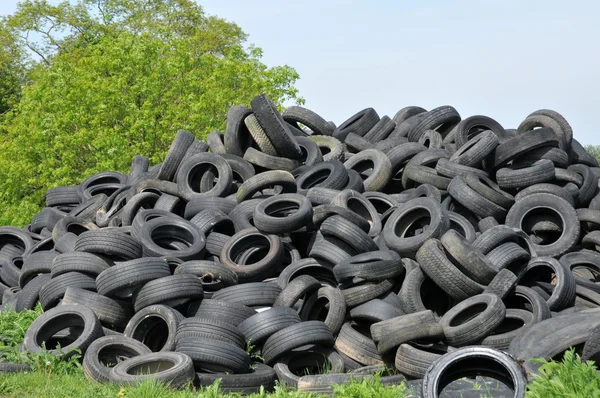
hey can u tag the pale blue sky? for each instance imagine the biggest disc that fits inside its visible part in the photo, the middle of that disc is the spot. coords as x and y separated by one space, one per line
503 59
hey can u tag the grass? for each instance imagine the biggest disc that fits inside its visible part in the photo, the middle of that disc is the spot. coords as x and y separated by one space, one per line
51 377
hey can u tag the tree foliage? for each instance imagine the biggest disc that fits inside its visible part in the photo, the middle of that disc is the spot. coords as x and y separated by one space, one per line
111 79
594 150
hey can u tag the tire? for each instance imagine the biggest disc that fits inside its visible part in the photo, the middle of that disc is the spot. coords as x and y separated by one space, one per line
53 291
259 136
591 349
294 336
359 123
200 203
571 227
269 162
420 293
521 177
468 322
214 355
589 188
370 266
262 377
356 143
362 293
474 151
393 332
60 196
190 174
215 141
469 260
36 264
490 190
289 365
563 281
213 220
446 168
85 263
525 298
328 299
473 361
522 144
172 291
502 284
432 258
122 280
355 342
53 321
344 230
246 239
275 128
331 174
109 243
266 180
237 137
29 296
155 233
298 114
462 226
405 217
283 213
330 147
501 337
460 191
259 327
414 359
381 130
111 313
323 212
359 204
179 374
106 352
212 275
230 312
295 290
155 326
442 118
253 294
468 128
310 150
198 327
374 311
381 165
176 152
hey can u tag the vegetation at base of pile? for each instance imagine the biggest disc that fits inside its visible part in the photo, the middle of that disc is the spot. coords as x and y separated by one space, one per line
87 85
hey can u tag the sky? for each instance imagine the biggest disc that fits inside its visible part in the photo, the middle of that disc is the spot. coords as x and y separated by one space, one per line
499 58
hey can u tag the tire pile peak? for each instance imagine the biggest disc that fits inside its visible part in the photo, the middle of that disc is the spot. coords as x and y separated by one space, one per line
406 245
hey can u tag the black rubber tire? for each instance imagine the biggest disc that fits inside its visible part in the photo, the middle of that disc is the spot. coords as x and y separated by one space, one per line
265 180
432 258
470 362
463 226
253 294
515 177
283 213
356 143
298 114
230 312
299 362
441 119
275 128
471 126
105 352
53 291
111 313
123 279
524 143
214 355
261 268
190 174
502 284
199 203
405 216
178 375
373 311
213 220
155 326
355 342
86 263
157 235
268 162
490 190
172 290
591 349
571 227
199 327
259 327
460 191
370 266
378 161
109 243
29 296
341 228
330 174
468 259
237 138
177 150
60 196
330 299
298 288
213 275
295 336
359 123
261 378
333 148
311 153
322 212
563 281
446 168
501 337
391 333
36 264
359 204
62 317
414 359
420 293
463 327
474 151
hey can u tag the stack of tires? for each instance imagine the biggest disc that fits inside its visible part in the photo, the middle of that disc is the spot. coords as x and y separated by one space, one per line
424 246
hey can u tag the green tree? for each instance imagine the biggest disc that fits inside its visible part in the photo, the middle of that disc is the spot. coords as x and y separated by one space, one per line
117 78
13 67
594 150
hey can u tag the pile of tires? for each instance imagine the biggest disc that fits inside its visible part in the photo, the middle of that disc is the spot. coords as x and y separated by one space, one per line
424 246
